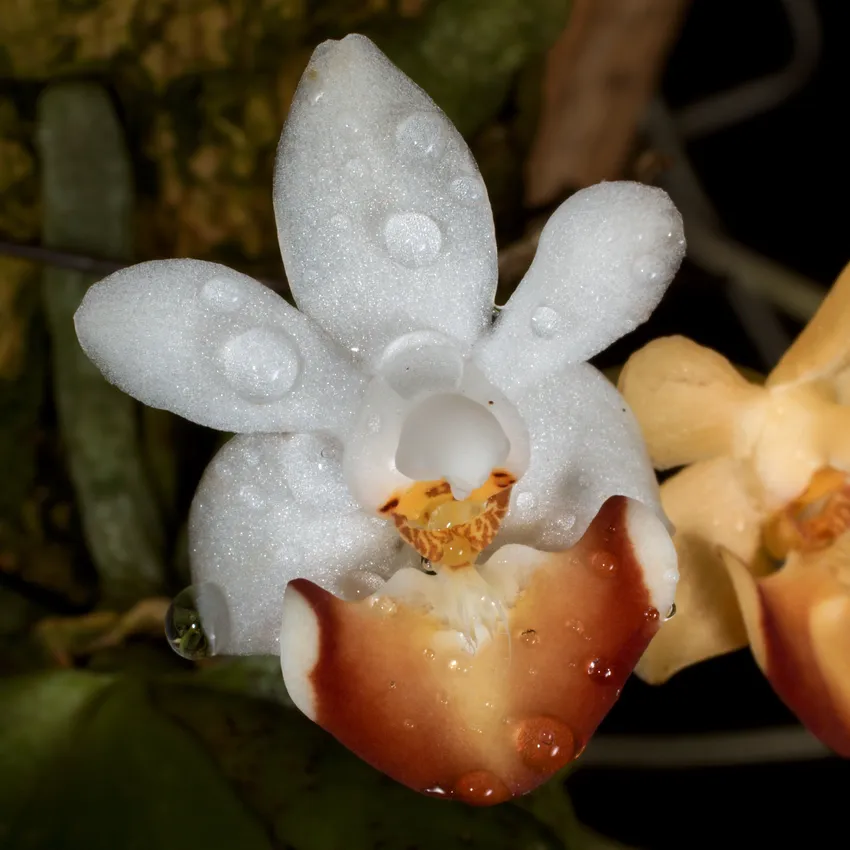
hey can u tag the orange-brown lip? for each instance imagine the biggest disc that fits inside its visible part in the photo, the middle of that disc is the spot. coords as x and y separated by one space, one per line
492 724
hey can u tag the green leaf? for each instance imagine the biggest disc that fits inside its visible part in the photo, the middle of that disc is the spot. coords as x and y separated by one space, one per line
88 202
315 795
466 54
86 761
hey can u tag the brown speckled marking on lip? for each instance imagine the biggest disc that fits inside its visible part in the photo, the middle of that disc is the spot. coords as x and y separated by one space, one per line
451 719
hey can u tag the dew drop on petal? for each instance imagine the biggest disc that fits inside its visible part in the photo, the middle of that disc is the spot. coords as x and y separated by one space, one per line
467 189
223 294
649 268
545 743
409 724
600 672
525 501
481 788
544 322
422 134
196 621
413 239
261 364
670 613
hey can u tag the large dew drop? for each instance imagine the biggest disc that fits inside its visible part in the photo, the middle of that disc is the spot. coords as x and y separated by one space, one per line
413 239
261 364
196 622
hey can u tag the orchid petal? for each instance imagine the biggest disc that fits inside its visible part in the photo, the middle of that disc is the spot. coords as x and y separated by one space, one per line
605 258
395 681
271 508
689 400
711 506
382 216
217 347
797 624
823 348
585 448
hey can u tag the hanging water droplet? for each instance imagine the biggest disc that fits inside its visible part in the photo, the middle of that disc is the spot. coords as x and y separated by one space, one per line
413 239
467 189
436 791
196 621
422 134
545 744
223 294
481 787
495 314
670 613
544 322
261 364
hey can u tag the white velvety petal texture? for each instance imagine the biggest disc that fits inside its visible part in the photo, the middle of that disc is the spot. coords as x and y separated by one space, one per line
605 258
271 508
586 446
216 347
383 219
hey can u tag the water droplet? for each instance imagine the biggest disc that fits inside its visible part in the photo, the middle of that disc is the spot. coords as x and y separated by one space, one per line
393 686
384 605
422 134
436 791
413 239
605 563
340 222
575 626
544 322
409 724
600 672
251 494
671 613
429 654
261 364
529 637
223 294
525 501
442 698
649 268
196 621
317 96
481 788
373 424
545 744
467 189
651 615
532 671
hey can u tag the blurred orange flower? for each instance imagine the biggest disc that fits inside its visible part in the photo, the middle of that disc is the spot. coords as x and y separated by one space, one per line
761 509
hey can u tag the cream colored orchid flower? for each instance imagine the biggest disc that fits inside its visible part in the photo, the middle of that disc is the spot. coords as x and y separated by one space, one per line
391 421
762 513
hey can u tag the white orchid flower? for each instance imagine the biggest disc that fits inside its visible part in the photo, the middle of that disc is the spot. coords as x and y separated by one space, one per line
392 419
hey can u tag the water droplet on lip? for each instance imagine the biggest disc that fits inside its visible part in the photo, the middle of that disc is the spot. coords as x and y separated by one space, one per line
196 621
600 672
545 744
422 134
544 322
604 562
481 788
223 294
413 239
467 189
261 364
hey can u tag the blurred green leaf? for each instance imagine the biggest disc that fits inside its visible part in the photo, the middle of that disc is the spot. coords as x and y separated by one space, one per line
466 54
88 203
86 761
97 761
